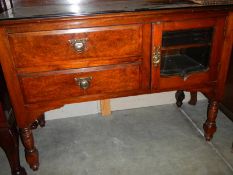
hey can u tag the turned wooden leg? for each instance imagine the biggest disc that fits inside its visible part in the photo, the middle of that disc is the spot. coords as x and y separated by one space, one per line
9 141
40 121
31 152
193 98
210 124
179 97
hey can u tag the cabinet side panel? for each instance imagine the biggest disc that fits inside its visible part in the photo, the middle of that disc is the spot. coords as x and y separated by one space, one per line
12 81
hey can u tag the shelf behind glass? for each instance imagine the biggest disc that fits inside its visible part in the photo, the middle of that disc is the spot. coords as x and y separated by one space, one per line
180 65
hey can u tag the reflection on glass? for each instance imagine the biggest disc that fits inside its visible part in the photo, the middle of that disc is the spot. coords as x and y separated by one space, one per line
185 51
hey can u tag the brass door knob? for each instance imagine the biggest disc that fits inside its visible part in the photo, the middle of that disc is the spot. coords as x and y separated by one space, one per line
79 44
83 83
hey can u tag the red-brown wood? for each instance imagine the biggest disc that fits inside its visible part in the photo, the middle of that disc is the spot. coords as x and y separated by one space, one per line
40 65
156 42
176 82
225 56
210 124
31 152
50 85
32 49
9 142
12 80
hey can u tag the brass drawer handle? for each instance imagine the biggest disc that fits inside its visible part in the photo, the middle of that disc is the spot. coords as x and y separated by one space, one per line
83 83
80 45
156 55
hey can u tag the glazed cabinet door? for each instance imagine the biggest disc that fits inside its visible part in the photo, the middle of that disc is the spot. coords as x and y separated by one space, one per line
186 53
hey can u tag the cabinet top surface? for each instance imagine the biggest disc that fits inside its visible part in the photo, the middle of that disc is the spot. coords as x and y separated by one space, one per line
23 9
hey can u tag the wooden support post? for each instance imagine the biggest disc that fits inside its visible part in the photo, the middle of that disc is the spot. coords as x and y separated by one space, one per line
105 107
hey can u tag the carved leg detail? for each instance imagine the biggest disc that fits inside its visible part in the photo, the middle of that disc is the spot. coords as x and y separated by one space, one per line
40 121
210 124
31 152
179 97
193 99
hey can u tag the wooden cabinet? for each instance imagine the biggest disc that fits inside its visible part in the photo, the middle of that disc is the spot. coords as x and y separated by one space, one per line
51 59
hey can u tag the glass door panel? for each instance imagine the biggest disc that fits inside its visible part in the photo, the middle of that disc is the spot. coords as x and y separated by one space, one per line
185 51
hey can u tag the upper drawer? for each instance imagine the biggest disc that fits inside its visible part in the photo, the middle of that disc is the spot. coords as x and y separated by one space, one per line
59 46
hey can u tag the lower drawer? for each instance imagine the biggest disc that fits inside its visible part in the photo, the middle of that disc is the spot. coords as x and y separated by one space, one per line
79 82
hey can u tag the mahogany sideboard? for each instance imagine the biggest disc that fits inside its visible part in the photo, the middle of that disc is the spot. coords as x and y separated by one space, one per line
57 52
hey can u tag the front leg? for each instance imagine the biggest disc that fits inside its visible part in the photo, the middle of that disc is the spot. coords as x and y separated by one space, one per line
31 152
210 124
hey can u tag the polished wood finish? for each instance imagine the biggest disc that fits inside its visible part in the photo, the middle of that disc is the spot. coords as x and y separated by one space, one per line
225 56
44 70
32 49
31 152
210 124
50 85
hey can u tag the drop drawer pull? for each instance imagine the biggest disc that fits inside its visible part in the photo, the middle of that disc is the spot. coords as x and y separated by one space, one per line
79 44
83 83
